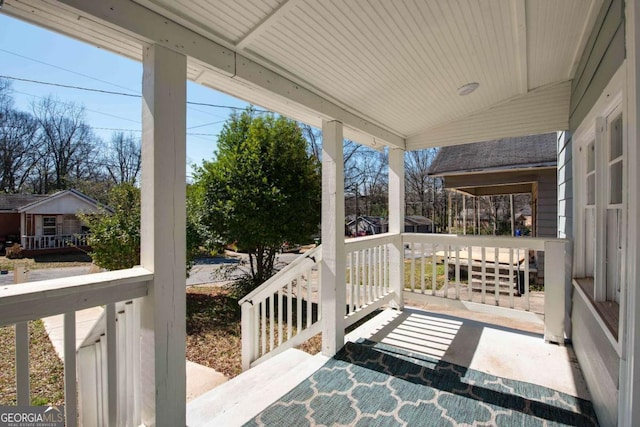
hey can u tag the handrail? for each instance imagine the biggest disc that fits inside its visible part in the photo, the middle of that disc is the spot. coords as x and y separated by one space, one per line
34 300
365 242
284 275
534 243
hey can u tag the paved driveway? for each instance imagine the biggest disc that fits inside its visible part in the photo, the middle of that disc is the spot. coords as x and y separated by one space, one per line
45 274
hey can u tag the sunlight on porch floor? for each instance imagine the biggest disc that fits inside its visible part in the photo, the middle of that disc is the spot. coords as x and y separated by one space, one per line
485 345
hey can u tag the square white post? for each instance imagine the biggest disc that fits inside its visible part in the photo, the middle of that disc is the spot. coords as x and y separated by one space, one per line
555 272
396 223
163 245
333 271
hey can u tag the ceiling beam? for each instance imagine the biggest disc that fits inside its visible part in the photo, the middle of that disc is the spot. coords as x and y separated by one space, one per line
518 8
147 26
542 110
282 9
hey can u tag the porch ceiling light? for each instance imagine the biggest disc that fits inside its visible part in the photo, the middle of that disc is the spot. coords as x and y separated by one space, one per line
468 88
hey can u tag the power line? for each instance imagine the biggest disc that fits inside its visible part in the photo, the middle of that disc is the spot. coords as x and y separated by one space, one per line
109 92
65 69
90 77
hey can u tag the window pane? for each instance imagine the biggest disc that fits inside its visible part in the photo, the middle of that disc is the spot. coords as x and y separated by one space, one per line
615 147
49 221
591 157
615 194
591 189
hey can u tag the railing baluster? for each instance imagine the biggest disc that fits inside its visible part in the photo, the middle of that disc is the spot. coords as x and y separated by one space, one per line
470 272
112 365
380 276
457 272
434 269
422 268
511 302
386 268
309 295
280 309
484 274
369 275
299 304
356 278
526 280
272 322
263 327
413 266
22 363
496 272
70 392
445 288
352 286
255 319
289 311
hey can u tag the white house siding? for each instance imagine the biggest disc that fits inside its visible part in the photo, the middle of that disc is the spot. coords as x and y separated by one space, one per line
603 55
565 210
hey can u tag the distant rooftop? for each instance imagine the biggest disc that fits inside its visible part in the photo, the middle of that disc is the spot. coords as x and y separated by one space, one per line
12 202
502 154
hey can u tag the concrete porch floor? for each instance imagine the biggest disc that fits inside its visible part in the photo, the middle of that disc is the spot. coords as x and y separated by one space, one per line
478 341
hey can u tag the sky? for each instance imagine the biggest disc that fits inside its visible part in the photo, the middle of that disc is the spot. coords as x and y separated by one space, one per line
34 53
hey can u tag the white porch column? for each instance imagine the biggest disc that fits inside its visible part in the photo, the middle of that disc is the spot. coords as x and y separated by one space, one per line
163 246
629 394
396 222
333 272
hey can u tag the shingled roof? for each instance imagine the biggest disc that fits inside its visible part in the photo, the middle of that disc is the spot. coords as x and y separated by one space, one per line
12 202
502 154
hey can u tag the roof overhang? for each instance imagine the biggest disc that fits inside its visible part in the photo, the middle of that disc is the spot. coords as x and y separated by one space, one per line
389 74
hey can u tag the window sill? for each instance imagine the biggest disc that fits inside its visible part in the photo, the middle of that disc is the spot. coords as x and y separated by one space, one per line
609 311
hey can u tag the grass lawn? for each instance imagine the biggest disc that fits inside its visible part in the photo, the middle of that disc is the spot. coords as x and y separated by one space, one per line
45 368
428 275
73 259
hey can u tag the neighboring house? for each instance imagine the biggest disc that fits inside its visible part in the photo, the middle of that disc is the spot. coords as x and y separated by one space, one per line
417 224
505 166
45 222
526 164
366 226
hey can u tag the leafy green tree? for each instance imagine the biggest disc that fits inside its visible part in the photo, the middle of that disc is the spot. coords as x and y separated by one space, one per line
262 189
115 232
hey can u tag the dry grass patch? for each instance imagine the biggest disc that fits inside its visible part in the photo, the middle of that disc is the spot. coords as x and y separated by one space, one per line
72 259
45 368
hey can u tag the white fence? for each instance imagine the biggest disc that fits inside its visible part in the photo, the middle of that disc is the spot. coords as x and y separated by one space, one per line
30 301
57 241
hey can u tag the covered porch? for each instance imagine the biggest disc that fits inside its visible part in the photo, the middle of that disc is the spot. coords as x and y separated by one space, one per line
475 347
397 78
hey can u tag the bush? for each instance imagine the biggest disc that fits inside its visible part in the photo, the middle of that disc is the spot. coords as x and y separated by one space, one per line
14 252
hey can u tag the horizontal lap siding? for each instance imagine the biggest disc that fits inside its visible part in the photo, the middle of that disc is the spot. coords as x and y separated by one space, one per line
603 55
546 217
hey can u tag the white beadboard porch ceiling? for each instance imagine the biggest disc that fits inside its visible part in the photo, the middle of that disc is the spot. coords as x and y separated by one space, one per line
396 64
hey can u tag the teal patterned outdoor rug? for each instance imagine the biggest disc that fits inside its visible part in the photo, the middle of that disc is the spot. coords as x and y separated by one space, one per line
373 384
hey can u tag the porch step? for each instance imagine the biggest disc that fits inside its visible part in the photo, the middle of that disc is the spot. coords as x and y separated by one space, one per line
245 396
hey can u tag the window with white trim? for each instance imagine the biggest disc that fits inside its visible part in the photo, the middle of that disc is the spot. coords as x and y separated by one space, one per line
49 226
600 201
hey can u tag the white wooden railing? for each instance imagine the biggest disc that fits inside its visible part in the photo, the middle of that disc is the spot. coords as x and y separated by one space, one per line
30 301
285 311
489 270
271 323
367 275
53 242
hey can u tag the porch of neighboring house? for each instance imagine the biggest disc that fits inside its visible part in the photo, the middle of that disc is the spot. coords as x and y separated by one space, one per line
138 361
